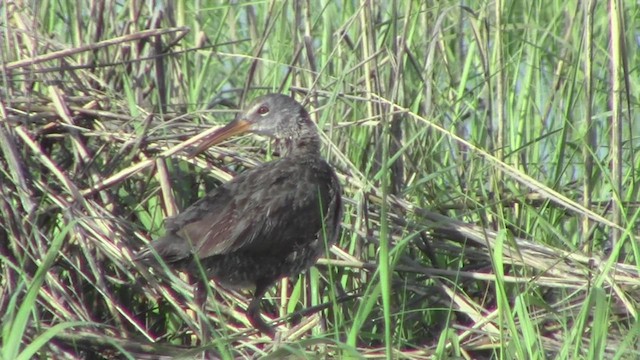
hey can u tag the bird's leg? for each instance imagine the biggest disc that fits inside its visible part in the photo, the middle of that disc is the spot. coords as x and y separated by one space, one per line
253 310
200 289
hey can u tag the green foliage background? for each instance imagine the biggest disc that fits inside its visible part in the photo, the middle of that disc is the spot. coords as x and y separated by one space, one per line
488 150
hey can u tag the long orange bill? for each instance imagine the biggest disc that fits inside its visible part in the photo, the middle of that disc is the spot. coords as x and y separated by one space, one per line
235 127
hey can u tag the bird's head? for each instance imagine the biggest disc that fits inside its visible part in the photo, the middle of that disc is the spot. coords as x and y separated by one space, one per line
274 115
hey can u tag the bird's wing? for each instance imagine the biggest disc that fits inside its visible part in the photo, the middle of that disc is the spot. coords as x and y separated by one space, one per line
268 210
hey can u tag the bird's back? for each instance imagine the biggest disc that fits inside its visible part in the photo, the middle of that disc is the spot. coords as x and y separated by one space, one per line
270 221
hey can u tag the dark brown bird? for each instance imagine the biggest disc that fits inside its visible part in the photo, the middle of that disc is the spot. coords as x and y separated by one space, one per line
267 223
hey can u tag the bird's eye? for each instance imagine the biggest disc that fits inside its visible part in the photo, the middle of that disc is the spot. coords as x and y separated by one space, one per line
262 110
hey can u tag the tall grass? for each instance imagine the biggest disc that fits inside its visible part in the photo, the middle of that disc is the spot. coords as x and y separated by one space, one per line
488 153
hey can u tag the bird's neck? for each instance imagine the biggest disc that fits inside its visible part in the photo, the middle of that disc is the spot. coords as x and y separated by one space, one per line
304 146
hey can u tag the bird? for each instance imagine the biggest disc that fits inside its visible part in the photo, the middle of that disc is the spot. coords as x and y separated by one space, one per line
269 222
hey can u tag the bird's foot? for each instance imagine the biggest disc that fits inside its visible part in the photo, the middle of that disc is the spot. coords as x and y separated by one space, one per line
256 320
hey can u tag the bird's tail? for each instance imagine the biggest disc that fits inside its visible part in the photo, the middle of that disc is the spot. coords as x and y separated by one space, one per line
170 248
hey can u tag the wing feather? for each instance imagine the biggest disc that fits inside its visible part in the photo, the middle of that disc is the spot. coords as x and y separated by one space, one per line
270 209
